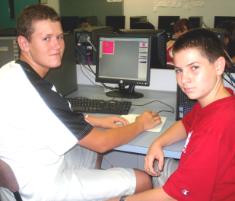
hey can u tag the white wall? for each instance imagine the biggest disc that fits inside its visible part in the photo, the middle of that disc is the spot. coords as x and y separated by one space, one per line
55 4
184 8
161 79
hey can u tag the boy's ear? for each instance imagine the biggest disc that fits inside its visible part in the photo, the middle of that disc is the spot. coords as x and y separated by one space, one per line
23 43
220 64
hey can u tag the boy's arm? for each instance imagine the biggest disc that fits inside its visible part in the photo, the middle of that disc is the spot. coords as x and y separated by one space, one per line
102 140
106 121
173 134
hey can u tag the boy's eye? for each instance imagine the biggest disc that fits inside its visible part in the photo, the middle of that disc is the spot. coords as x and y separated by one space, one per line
60 37
194 67
178 70
46 38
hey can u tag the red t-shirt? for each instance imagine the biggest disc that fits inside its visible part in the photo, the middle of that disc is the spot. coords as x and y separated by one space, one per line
206 170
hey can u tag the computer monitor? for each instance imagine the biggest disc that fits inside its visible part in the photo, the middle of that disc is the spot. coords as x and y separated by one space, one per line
195 22
124 60
166 23
69 23
158 45
116 22
219 21
137 19
143 25
91 20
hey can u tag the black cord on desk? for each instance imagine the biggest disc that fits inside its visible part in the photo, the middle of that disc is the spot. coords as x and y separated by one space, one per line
88 67
172 110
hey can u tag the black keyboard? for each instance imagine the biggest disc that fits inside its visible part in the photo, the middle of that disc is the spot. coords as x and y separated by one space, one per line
88 105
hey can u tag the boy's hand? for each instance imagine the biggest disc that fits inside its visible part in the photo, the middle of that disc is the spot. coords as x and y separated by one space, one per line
148 119
154 160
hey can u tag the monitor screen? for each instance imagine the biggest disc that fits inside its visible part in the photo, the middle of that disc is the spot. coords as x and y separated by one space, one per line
125 60
90 20
220 21
116 22
136 19
69 23
158 45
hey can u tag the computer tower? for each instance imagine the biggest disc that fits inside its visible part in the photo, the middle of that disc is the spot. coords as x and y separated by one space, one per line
8 49
65 77
87 43
183 104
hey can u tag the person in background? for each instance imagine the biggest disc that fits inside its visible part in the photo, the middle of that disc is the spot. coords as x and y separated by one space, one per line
179 28
52 150
229 39
206 170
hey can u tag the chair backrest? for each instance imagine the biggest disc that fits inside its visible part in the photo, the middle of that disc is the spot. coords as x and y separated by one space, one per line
8 179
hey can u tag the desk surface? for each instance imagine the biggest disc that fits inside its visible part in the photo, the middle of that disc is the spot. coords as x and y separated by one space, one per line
141 143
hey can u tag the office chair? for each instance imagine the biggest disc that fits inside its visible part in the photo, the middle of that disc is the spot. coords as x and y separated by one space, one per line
8 180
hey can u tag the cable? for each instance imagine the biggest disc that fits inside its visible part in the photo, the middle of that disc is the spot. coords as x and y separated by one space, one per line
93 46
172 110
88 67
83 72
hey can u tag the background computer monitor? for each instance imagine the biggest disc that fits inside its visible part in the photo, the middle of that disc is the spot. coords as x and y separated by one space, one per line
158 45
69 23
143 25
195 22
116 22
219 21
136 19
91 20
166 23
124 60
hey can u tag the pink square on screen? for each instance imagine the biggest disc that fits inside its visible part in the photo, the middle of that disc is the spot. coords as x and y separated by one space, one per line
108 47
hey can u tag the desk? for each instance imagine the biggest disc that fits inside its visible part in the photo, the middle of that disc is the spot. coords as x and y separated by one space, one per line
141 143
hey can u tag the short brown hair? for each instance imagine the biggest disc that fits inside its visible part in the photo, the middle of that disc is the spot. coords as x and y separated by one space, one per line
205 40
33 13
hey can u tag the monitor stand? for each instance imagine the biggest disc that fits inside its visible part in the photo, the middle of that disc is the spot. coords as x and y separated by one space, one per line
123 92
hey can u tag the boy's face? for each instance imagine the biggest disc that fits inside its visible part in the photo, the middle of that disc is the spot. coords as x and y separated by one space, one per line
196 76
46 46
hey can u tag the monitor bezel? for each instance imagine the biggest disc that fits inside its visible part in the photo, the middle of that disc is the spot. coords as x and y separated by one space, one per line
125 81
